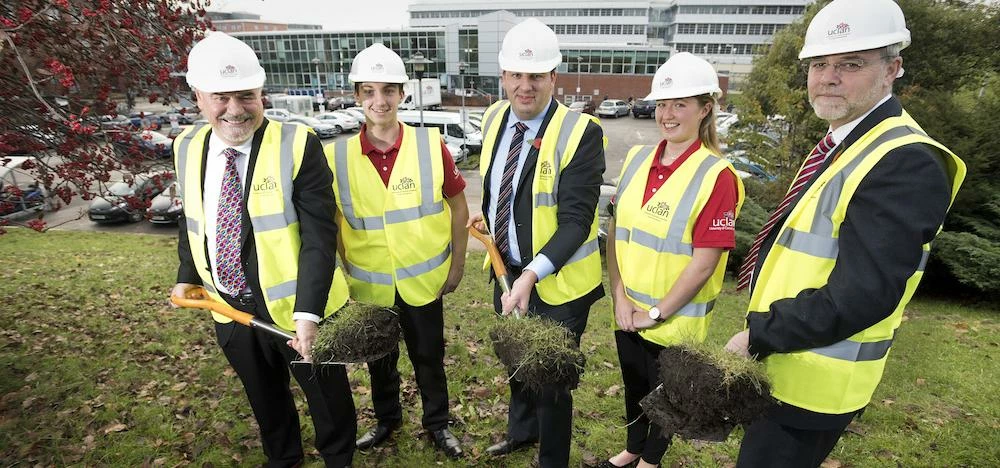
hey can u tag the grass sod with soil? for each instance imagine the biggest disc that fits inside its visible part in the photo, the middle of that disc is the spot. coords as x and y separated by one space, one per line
96 370
537 352
356 333
706 392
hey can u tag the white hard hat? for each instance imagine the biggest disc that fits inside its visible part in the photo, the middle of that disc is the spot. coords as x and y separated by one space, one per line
684 75
853 26
220 63
530 47
378 64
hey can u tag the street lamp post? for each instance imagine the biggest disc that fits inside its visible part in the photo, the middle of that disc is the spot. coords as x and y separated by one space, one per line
579 61
461 78
419 64
319 91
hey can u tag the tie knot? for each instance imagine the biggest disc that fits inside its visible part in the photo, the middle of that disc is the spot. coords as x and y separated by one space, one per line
231 153
520 127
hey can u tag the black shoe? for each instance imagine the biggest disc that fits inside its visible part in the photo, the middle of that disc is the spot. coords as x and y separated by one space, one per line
376 436
608 464
507 446
447 443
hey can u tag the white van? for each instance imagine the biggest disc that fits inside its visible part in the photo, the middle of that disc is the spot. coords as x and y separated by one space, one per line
452 128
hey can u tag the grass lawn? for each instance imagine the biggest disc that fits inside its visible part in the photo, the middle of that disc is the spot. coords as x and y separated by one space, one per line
96 370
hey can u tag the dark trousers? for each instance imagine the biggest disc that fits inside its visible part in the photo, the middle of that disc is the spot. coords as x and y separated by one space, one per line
547 415
640 374
262 363
423 331
768 443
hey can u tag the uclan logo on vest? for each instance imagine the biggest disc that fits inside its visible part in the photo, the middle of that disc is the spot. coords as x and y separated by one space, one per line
404 184
266 185
727 222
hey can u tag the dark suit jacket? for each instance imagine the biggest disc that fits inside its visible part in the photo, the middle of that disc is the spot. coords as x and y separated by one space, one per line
579 190
313 198
897 208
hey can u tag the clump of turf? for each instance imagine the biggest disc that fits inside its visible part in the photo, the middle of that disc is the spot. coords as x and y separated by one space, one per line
706 392
356 333
538 352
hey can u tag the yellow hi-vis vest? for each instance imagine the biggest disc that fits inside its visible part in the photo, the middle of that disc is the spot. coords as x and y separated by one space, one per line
582 272
840 377
274 219
396 237
653 243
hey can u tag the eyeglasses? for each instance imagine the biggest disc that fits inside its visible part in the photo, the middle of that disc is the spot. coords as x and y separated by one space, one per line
847 66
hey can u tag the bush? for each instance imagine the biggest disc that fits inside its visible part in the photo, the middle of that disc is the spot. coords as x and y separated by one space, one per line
751 219
974 261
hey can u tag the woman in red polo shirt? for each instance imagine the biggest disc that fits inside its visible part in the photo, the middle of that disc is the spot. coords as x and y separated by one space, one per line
674 218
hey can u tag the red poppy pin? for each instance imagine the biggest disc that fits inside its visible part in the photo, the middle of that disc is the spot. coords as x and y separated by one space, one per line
537 143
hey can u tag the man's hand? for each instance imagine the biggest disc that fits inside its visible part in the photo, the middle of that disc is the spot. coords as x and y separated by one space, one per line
180 290
520 292
305 333
477 221
740 344
454 277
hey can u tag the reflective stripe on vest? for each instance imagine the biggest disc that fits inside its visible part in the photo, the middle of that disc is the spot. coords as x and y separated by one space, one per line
840 377
552 198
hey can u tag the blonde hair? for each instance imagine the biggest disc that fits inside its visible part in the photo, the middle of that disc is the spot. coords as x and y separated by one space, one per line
706 129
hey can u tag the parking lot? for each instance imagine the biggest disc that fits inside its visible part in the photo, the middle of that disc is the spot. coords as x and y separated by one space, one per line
622 134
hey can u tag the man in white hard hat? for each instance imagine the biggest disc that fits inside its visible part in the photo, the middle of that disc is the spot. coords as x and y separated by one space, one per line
258 233
833 268
401 214
542 167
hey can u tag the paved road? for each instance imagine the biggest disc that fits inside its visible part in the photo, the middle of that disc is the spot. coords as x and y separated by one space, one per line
622 134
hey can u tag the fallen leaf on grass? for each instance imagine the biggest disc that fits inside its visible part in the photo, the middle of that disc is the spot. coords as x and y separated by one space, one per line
831 463
118 427
608 365
612 390
921 381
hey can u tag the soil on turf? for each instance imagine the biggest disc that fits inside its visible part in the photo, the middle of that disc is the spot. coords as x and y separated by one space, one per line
700 398
356 333
538 352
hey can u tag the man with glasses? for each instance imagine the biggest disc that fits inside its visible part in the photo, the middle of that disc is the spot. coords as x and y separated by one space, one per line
835 265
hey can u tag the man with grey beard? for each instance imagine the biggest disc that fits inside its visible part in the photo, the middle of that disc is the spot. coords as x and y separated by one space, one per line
258 233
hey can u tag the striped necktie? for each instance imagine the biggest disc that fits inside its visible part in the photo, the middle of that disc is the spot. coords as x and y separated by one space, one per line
228 227
507 191
809 168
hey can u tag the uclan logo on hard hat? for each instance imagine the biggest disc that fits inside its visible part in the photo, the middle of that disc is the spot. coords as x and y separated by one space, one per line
229 71
378 68
527 53
841 29
666 82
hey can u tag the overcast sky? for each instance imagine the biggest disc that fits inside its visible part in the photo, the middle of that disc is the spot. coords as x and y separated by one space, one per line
343 15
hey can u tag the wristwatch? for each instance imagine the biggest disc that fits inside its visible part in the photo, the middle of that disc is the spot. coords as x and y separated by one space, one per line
655 314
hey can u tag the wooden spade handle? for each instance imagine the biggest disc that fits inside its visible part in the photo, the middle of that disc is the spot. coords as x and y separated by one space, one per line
198 298
495 259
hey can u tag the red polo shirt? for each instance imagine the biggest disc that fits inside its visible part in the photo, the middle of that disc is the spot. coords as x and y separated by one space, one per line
714 228
384 160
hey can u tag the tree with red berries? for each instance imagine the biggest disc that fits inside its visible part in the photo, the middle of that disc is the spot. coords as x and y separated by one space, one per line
66 63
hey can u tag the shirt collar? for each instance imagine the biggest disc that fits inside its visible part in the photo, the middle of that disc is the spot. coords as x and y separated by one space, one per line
367 147
841 132
216 146
680 158
534 124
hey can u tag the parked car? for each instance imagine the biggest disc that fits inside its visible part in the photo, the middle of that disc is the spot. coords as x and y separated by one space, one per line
359 119
341 122
182 119
148 144
278 115
643 108
746 168
127 200
141 120
356 112
166 207
458 153
174 132
114 122
20 192
587 107
322 129
613 107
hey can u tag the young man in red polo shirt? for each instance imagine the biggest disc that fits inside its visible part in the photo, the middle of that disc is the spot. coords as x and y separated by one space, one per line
401 211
